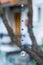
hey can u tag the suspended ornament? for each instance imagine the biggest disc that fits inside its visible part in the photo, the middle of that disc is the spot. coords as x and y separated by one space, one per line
22 7
23 53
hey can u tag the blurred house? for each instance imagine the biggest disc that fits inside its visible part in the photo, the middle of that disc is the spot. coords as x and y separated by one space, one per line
38 19
16 15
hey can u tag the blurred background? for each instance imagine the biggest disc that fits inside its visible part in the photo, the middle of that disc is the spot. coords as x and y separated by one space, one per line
16 12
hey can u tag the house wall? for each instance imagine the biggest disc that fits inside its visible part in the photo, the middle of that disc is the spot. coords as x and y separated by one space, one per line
4 39
38 22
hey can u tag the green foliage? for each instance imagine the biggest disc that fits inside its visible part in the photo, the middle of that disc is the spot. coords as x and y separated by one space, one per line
41 47
34 62
42 42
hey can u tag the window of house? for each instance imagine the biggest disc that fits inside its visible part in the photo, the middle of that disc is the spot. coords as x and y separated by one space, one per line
39 14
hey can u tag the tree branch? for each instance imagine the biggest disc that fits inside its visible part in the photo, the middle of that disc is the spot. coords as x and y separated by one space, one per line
35 46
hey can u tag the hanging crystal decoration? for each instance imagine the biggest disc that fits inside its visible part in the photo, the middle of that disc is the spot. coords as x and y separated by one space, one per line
23 53
22 7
